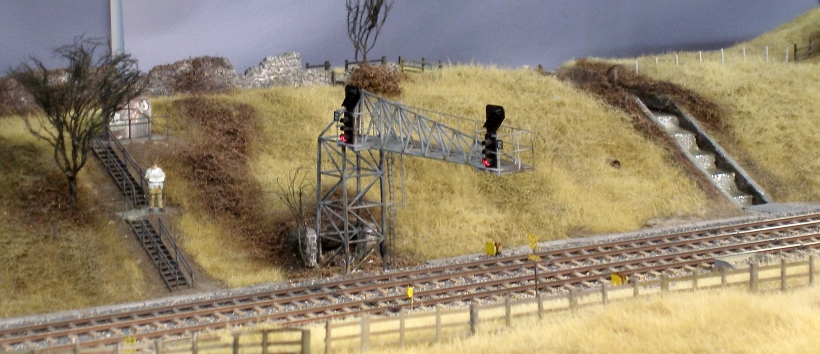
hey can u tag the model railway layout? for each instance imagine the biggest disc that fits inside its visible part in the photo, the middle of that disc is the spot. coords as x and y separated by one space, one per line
485 279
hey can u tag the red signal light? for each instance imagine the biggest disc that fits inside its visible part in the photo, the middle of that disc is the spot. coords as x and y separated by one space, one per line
485 162
342 138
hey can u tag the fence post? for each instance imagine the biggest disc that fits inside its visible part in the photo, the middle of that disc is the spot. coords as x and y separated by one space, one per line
787 54
327 65
811 269
473 318
507 310
365 334
782 274
664 283
401 328
723 278
235 343
721 56
327 336
573 299
305 341
744 54
422 64
636 66
119 348
195 344
440 65
795 53
656 64
77 349
676 59
695 280
332 78
264 341
346 64
438 324
158 346
635 288
307 65
604 295
753 277
540 305
700 57
384 60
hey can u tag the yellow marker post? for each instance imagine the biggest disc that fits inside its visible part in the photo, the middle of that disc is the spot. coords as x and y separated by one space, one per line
617 279
535 258
489 248
410 295
129 343
533 242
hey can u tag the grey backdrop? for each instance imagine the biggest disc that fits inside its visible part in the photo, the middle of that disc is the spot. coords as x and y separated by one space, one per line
508 33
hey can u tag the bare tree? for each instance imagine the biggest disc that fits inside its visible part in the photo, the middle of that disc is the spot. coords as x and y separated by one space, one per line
294 194
78 100
365 19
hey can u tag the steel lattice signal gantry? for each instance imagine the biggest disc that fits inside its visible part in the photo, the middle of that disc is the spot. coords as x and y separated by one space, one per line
356 193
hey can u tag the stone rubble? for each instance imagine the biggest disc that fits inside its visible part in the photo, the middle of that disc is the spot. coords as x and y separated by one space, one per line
282 70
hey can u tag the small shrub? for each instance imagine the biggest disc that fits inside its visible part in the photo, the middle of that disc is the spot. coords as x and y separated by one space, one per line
15 99
378 79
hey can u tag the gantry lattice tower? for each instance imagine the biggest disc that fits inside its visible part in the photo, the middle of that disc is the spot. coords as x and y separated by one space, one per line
356 192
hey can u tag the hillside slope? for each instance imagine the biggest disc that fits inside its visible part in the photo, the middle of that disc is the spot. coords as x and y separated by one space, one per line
451 209
771 110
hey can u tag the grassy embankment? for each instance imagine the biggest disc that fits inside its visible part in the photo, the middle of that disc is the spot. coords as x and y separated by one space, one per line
771 126
731 321
573 191
52 258
771 109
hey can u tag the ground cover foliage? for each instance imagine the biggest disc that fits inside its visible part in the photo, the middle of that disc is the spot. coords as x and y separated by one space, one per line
730 321
261 136
573 192
55 258
769 111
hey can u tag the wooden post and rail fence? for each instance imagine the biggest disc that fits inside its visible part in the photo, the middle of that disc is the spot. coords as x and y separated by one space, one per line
441 323
434 326
809 51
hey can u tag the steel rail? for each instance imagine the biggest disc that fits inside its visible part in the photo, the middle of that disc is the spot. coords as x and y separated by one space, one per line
225 307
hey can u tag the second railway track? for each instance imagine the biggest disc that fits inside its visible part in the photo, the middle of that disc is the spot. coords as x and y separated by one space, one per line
586 265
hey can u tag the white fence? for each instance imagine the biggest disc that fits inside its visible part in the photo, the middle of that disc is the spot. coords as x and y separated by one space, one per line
732 55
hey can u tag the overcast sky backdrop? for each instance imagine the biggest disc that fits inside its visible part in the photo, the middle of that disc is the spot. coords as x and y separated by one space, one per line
507 33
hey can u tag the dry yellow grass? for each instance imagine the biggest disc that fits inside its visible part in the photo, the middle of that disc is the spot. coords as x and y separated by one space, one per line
797 31
731 321
771 111
55 266
451 209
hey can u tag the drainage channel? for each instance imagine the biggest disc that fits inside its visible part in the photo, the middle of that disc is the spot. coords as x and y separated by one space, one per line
705 153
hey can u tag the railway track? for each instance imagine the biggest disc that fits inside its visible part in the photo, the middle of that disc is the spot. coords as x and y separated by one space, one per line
485 279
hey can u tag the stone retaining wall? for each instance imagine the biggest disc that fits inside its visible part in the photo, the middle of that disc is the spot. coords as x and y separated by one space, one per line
283 70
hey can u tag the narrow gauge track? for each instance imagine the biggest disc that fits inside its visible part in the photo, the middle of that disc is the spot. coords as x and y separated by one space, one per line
583 266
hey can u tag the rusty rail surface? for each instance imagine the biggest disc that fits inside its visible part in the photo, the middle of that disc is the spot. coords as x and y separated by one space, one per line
578 267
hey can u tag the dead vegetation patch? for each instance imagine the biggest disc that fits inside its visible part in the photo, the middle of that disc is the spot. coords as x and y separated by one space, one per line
379 79
218 163
616 85
200 75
